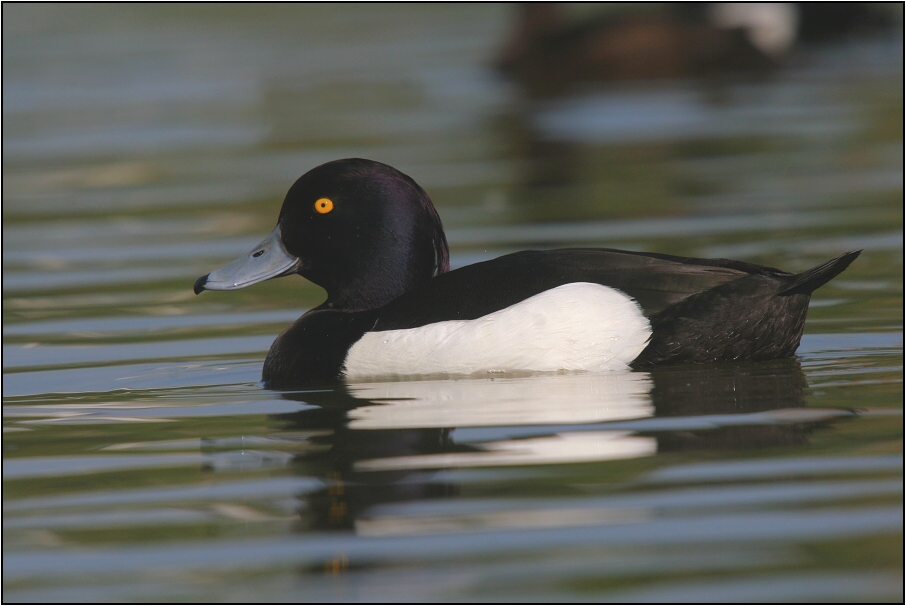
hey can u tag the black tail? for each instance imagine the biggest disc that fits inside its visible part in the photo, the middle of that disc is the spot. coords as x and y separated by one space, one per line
809 281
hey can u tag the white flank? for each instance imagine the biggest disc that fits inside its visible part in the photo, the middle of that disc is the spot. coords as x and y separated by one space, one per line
574 327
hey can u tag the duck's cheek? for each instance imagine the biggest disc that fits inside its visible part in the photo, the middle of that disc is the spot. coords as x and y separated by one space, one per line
574 327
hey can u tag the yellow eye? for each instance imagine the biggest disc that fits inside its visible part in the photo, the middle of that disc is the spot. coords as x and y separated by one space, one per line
324 206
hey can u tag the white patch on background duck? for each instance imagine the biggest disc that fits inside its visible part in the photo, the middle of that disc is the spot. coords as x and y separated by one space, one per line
575 327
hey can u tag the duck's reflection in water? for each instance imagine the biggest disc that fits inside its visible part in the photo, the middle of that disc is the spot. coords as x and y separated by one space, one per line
734 389
393 441
350 491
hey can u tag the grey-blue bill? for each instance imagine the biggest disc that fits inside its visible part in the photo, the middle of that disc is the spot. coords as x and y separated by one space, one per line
267 260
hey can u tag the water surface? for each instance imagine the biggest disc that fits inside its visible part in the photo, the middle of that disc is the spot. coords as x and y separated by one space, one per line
145 145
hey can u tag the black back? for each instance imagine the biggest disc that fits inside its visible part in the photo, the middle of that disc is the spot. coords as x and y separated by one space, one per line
655 281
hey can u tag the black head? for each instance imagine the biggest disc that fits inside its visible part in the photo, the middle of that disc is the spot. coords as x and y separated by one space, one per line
362 230
365 232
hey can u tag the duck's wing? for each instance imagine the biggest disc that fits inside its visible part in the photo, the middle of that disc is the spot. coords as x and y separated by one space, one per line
655 281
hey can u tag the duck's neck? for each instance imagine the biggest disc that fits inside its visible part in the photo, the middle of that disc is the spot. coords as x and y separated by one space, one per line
369 292
387 275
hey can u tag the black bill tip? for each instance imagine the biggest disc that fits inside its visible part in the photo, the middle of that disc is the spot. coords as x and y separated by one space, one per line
199 284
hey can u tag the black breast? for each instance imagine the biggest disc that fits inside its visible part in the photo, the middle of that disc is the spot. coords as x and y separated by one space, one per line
313 349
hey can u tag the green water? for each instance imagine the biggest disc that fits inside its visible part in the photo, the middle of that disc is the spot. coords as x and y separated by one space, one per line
144 146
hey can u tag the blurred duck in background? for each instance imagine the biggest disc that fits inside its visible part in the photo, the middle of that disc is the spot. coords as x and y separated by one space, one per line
556 44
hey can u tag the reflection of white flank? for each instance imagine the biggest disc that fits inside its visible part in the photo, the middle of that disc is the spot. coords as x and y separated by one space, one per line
542 399
576 327
562 517
563 448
